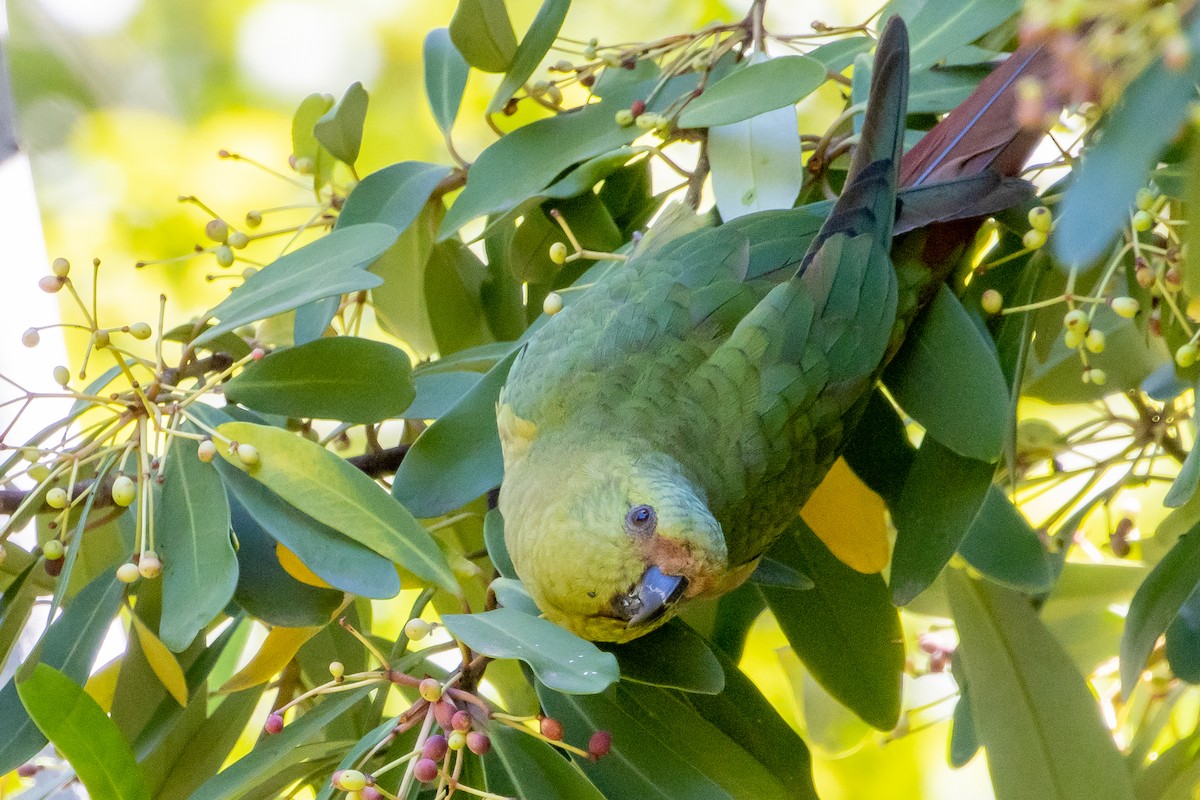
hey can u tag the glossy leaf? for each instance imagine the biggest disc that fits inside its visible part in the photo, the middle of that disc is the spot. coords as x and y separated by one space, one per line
661 747
754 89
521 766
329 266
493 537
1186 480
844 629
850 519
273 753
445 77
1003 546
82 732
334 557
770 572
533 48
756 163
937 507
333 492
340 129
511 593
1035 715
840 53
400 308
1183 640
1097 203
1156 604
483 34
943 26
199 565
161 661
393 195
345 378
947 377
438 392
305 144
674 656
457 458
70 645
280 646
559 658
208 747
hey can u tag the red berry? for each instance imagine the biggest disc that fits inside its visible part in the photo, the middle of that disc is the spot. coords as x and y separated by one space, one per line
637 107
461 721
28 770
54 567
552 728
274 723
599 744
443 712
370 793
435 747
426 770
478 743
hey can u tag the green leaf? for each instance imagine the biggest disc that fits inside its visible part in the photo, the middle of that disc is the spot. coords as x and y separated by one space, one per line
340 129
483 34
70 645
943 26
770 572
754 89
438 392
523 767
1174 775
229 343
393 195
1003 546
559 658
1156 604
939 503
457 458
334 557
1036 717
1097 203
493 538
401 306
346 378
273 753
453 278
511 593
947 377
82 732
840 53
674 656
662 748
845 629
200 569
1183 640
936 91
1186 480
964 739
305 144
445 77
208 746
330 266
538 39
331 491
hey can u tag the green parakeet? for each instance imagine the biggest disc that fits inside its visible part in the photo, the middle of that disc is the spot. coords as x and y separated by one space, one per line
661 432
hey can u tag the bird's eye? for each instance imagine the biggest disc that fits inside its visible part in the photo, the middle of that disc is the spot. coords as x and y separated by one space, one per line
641 519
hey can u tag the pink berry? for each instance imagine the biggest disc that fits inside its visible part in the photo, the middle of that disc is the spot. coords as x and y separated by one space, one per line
599 744
478 743
274 723
552 728
443 712
461 721
426 770
435 747
370 793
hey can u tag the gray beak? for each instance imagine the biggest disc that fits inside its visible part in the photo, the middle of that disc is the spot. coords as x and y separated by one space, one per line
653 594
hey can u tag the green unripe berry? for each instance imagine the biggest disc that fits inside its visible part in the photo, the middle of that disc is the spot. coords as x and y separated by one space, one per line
1075 319
558 253
554 94
992 301
128 573
1143 221
61 375
217 230
224 255
457 740
1186 355
350 780
1094 341
253 219
1126 307
1073 339
247 454
57 497
624 118
206 451
150 565
337 669
124 491
304 165
39 472
237 240
61 267
1040 219
647 121
31 337
140 330
417 629
1033 239
1097 376
53 550
1145 198
431 689
552 304
101 339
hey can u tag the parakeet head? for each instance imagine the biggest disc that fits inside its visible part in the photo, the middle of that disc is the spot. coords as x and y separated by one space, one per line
608 541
